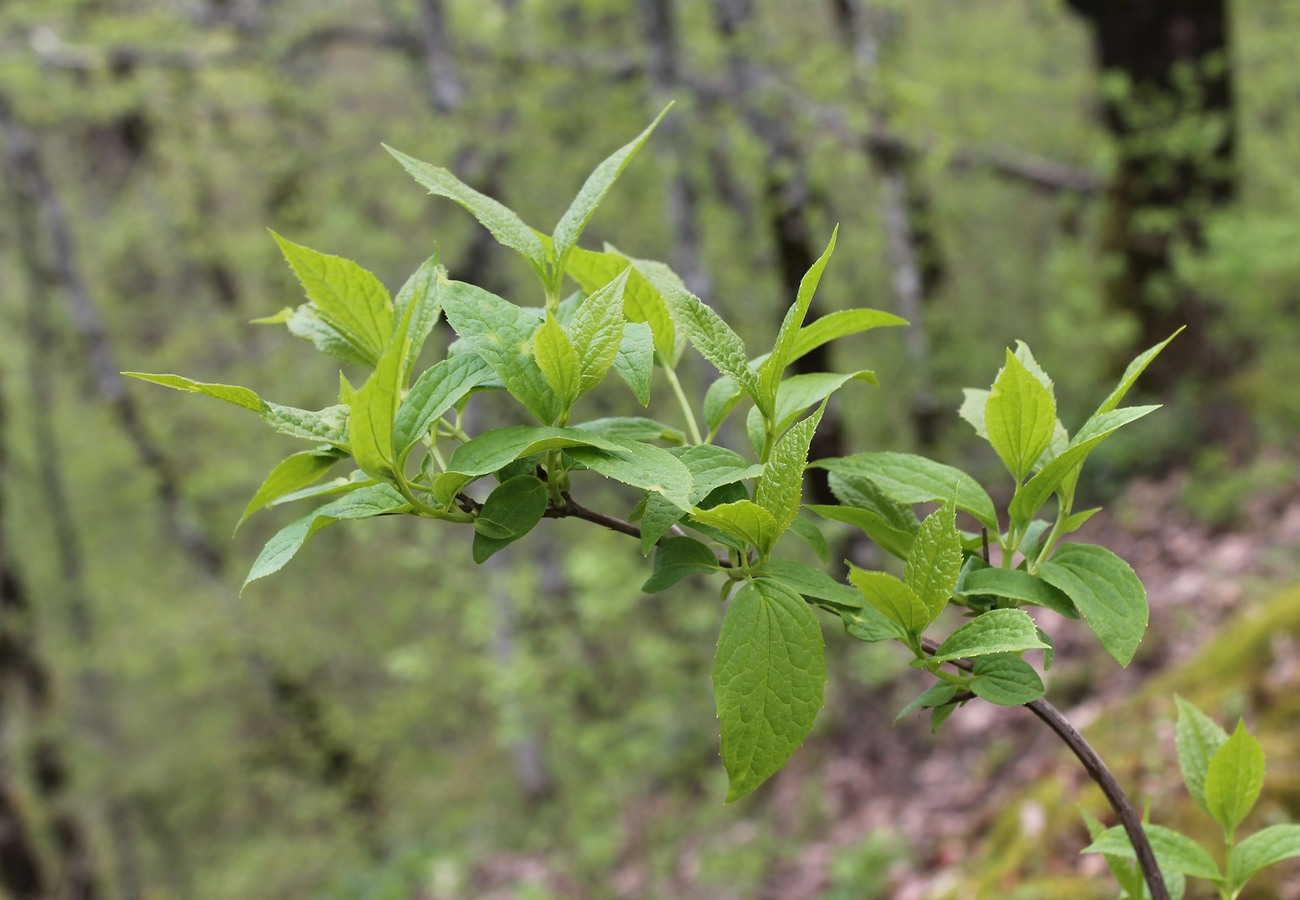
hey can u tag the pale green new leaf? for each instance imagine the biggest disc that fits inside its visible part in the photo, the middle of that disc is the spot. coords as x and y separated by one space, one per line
1234 779
781 487
503 223
558 360
893 599
641 302
934 563
1174 852
639 465
575 219
996 631
742 519
1262 849
364 503
1021 587
597 332
239 396
307 323
1135 368
1107 593
634 428
492 450
1198 738
345 295
328 425
291 474
768 679
787 337
501 333
838 324
1020 417
719 400
972 409
374 409
419 298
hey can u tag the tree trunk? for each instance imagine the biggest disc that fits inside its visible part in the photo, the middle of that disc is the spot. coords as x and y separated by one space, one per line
1172 59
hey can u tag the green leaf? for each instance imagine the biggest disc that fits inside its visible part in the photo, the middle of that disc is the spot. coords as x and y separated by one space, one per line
837 325
437 390
811 535
239 396
575 219
768 678
813 584
1135 368
1107 593
1005 680
341 485
972 409
719 400
707 332
419 298
1198 738
1021 587
374 410
504 224
641 302
1234 779
511 511
895 541
346 296
996 631
492 450
676 558
364 503
292 473
780 488
501 333
1126 872
934 562
1174 852
1034 493
597 332
558 360
1020 417
893 599
634 362
743 519
787 337
307 323
797 394
710 467
1262 849
934 696
328 425
908 478
634 428
639 465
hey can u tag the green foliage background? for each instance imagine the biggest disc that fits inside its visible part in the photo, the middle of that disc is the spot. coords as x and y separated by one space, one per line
235 117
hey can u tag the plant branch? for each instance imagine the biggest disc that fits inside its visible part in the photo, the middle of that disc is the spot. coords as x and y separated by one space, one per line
1098 772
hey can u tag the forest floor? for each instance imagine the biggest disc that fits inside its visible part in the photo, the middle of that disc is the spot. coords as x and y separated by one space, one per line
959 783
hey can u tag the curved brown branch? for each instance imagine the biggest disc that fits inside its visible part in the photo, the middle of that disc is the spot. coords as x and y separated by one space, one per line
1098 772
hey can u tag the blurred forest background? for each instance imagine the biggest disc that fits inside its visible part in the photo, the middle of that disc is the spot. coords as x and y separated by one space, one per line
385 720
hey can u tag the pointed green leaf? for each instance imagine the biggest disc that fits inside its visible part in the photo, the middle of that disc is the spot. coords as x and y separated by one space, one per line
1174 852
1127 872
501 333
1020 417
798 392
239 396
1234 779
1034 493
1135 368
934 562
374 409
908 478
493 450
634 362
341 485
634 428
1198 738
363 503
811 535
419 299
935 695
504 224
972 409
640 465
597 185
291 474
597 332
1262 849
676 558
813 584
743 519
558 361
641 302
893 599
838 324
895 541
306 322
781 487
710 467
996 631
437 390
1006 680
768 679
1106 591
346 296
511 511
773 368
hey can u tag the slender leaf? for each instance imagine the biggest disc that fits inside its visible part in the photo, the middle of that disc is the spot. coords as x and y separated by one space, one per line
558 360
1262 849
934 562
641 302
597 332
1234 779
787 337
838 324
437 390
781 486
1020 587
419 298
908 478
291 474
634 362
639 465
1131 373
1198 738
